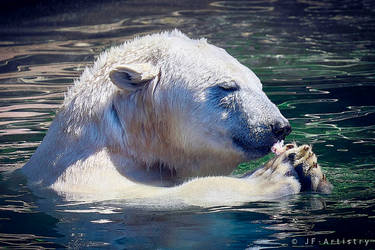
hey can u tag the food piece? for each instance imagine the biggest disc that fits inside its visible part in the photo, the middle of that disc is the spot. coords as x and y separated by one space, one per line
278 147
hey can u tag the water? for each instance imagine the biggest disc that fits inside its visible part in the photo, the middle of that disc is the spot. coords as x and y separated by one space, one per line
316 60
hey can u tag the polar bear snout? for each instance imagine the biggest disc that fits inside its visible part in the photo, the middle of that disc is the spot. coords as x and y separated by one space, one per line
259 144
281 128
256 123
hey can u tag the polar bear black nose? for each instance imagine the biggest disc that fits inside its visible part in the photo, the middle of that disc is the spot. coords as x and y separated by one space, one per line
281 129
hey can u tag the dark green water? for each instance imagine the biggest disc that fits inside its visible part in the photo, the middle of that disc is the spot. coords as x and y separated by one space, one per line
316 60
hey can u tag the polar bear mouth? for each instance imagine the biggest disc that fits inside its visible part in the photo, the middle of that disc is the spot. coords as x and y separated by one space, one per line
251 151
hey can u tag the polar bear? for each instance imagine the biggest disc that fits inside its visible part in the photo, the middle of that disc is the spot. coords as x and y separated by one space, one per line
161 114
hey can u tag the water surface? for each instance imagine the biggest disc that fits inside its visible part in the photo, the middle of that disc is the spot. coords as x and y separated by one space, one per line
315 59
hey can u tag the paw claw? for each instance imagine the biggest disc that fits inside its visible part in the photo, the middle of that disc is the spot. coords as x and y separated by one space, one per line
303 155
289 146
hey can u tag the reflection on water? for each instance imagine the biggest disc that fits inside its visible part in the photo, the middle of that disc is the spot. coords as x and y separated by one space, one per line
316 61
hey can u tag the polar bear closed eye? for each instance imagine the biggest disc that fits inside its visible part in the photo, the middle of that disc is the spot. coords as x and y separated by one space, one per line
156 112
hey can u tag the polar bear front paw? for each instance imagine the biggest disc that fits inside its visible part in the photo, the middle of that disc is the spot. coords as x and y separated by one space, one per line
301 155
307 168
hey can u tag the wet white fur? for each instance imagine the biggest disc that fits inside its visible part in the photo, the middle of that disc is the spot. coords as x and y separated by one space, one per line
87 150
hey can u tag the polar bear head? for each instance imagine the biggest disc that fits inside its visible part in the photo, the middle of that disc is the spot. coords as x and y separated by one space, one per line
190 105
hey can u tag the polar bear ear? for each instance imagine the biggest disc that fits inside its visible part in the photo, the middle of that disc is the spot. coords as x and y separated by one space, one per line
131 77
